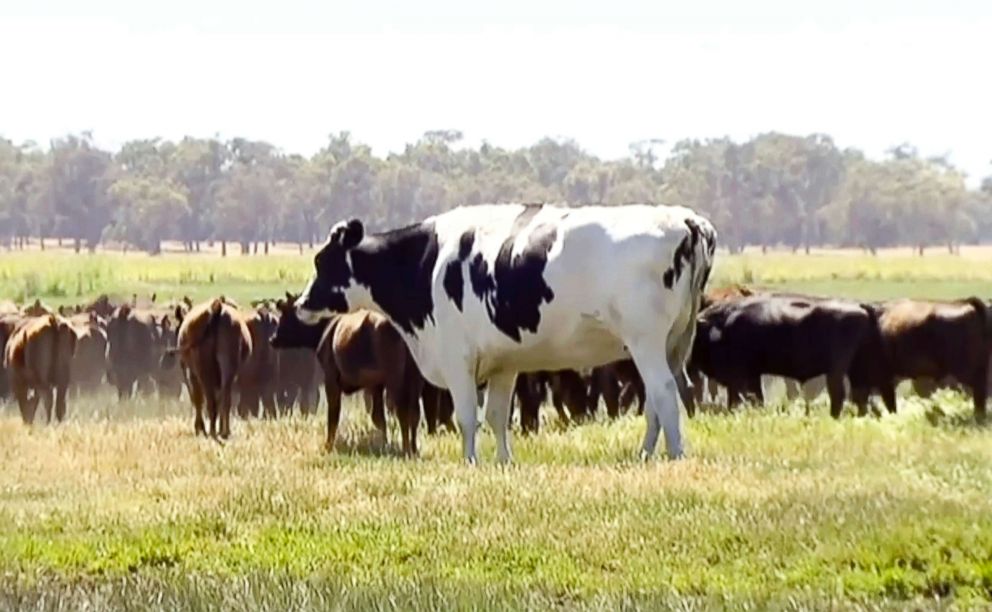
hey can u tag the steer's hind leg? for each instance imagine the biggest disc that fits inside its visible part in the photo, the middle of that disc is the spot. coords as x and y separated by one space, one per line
662 413
498 395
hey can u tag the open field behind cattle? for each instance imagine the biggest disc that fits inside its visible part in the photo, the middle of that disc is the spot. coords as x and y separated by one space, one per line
123 507
61 277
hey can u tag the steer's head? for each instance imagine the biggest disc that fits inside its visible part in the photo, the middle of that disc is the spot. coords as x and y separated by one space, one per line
327 292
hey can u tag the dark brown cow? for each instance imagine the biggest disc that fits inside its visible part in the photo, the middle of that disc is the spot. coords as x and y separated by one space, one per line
168 382
439 409
739 340
297 380
932 340
569 395
620 385
37 357
132 337
257 378
89 363
357 351
213 344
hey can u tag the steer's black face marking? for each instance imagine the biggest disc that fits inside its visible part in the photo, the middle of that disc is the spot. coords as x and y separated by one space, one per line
333 274
396 267
684 254
454 283
515 289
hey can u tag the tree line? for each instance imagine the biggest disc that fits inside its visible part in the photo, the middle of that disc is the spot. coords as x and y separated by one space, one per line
772 190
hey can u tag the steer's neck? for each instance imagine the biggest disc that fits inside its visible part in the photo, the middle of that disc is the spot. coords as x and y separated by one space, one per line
392 274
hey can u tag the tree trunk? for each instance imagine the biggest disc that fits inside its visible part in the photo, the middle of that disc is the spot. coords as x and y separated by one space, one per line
76 244
255 248
920 250
156 247
223 248
300 244
197 243
60 241
266 248
42 239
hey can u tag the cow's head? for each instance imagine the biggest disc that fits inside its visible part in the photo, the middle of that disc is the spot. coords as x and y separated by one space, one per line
290 331
327 292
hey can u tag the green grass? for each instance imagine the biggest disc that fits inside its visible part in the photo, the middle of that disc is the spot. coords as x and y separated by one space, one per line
772 508
122 507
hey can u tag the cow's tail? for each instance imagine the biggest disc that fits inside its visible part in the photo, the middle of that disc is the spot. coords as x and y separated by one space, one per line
189 342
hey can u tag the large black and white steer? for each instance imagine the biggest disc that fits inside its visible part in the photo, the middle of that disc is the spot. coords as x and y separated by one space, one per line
481 293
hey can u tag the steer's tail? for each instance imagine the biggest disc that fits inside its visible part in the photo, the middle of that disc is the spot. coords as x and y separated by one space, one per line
702 240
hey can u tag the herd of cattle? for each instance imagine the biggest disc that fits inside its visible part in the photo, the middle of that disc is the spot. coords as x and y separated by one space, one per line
262 362
501 297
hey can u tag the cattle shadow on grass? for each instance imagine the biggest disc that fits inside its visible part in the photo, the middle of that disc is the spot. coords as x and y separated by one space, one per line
368 444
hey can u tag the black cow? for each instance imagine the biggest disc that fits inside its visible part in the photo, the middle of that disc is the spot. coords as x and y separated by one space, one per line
737 341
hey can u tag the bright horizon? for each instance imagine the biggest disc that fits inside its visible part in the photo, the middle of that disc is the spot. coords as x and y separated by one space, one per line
870 74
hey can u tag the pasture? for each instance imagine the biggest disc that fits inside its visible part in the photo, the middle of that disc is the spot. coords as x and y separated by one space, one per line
123 507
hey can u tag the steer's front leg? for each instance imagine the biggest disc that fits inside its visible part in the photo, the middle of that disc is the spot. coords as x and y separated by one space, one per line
463 392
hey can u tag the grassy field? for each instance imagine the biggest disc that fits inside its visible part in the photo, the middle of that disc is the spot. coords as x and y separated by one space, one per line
122 507
61 277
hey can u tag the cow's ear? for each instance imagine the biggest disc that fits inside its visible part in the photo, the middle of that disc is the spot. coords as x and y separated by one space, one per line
180 313
353 234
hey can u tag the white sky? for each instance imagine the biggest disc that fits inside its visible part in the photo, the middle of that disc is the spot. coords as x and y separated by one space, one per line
870 73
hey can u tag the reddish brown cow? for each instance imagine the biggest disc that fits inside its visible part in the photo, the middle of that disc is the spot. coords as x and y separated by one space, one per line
213 344
361 350
37 357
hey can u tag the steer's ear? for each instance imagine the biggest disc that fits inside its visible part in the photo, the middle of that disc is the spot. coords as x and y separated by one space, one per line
353 234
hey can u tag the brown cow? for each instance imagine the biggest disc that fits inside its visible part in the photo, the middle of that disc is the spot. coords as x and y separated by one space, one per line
89 363
38 356
256 380
360 350
9 321
213 343
297 380
921 339
132 338
620 385
439 408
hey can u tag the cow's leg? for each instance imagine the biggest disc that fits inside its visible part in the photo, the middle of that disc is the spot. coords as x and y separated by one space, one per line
888 392
429 396
48 401
465 398
269 404
60 393
333 395
860 395
210 394
497 408
27 403
979 390
378 413
196 397
610 387
662 411
835 389
446 411
225 408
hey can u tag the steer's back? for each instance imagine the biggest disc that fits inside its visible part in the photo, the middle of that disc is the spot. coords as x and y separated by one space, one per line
548 287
